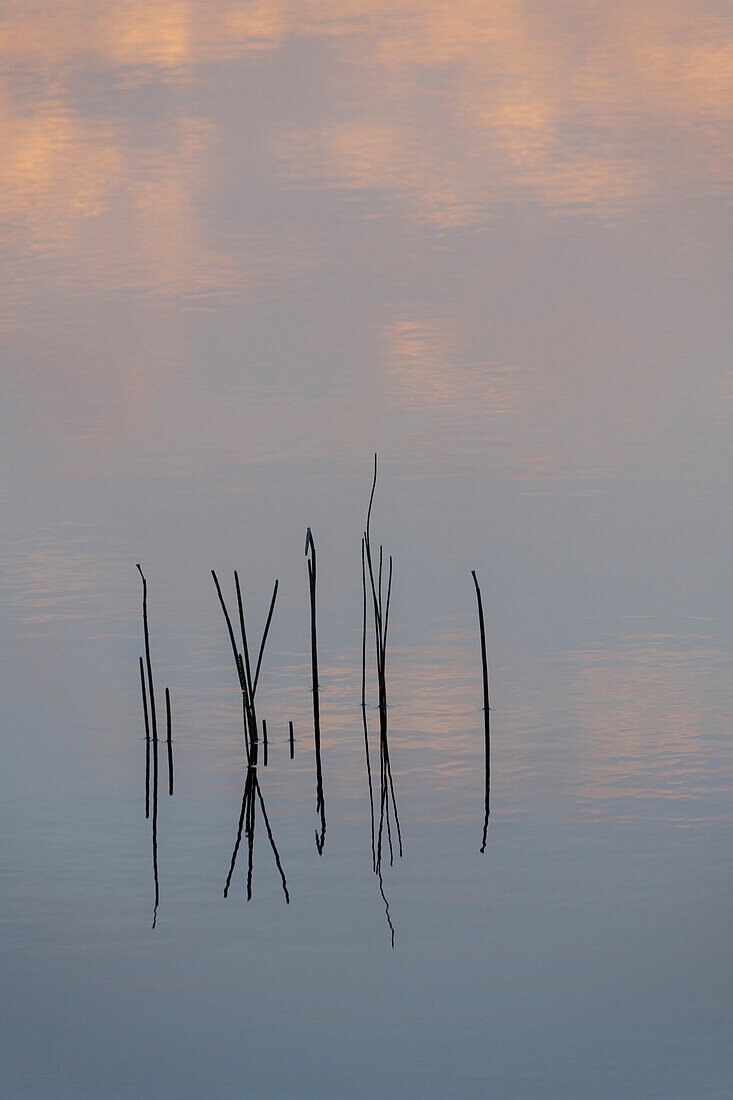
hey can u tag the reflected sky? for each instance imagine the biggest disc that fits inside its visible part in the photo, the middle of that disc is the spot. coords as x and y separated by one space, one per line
446 109
429 213
246 244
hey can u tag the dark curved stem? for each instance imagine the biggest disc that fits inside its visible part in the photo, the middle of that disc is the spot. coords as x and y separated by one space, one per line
248 688
155 830
245 648
310 548
363 701
487 709
232 639
264 638
168 740
242 814
147 740
147 655
272 842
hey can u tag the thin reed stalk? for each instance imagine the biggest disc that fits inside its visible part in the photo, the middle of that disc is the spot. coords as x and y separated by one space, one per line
150 717
245 647
155 831
154 723
148 662
487 710
168 740
248 689
270 837
310 553
264 637
147 739
363 702
249 775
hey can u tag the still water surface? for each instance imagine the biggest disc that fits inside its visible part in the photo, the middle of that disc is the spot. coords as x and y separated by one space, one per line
245 246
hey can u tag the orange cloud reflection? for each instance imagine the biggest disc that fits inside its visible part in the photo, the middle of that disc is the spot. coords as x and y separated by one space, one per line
446 107
453 108
441 113
423 364
644 711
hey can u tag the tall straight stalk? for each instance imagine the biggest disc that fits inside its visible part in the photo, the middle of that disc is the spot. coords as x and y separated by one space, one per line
310 553
487 709
363 700
155 830
147 655
248 689
147 739
168 740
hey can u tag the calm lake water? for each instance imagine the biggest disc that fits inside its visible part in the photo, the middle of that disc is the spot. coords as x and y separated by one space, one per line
246 245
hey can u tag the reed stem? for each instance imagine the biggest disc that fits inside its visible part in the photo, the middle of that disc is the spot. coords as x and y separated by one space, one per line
310 553
168 740
147 740
487 709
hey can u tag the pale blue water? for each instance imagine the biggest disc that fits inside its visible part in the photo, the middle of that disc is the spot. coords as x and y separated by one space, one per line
245 247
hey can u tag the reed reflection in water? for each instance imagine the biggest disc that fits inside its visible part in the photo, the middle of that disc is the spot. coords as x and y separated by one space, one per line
251 795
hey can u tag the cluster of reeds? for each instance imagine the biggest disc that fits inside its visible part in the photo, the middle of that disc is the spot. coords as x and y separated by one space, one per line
252 795
381 591
247 684
151 720
386 832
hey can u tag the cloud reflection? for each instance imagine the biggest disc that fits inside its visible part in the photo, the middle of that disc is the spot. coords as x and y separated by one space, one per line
149 154
447 108
427 368
648 706
453 110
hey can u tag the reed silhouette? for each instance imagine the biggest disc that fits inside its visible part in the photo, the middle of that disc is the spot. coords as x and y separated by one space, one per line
386 833
251 795
155 831
147 739
487 710
247 685
363 702
310 553
151 720
380 603
148 662
169 741
380 610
